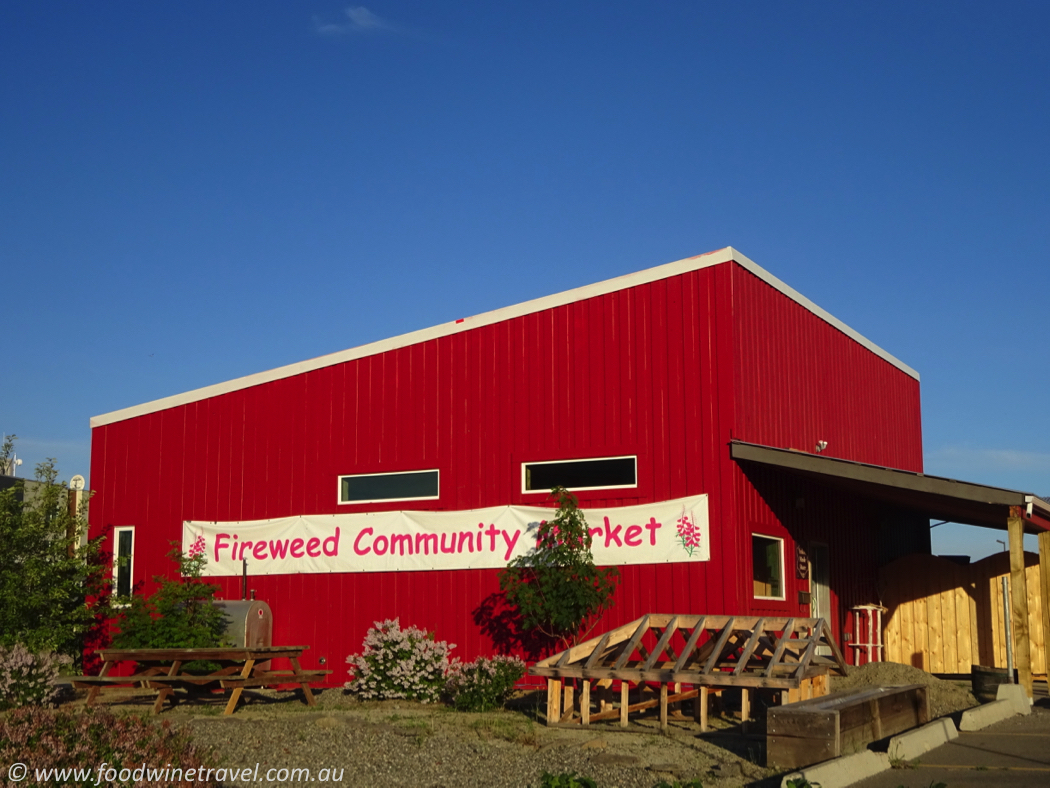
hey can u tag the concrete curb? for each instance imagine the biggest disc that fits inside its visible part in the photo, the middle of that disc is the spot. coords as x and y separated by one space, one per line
843 771
916 743
908 746
1015 694
987 714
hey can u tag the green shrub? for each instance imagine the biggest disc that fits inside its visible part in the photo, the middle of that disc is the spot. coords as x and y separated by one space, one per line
73 742
566 780
179 614
47 576
556 589
399 663
28 679
484 684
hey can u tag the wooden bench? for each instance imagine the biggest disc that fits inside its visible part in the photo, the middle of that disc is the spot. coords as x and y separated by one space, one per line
810 731
273 678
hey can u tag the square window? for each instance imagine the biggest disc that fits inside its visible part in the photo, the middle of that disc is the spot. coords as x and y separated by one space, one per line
767 562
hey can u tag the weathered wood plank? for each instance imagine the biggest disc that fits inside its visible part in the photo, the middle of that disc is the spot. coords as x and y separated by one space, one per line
749 648
192 654
634 642
585 648
809 731
553 701
685 677
568 703
1019 601
661 644
744 651
690 645
807 655
663 707
716 650
603 644
1044 593
1035 620
274 678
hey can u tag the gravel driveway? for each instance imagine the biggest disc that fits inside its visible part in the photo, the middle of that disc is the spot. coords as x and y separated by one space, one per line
399 743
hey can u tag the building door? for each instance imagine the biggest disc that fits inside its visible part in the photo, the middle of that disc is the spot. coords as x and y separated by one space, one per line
820 586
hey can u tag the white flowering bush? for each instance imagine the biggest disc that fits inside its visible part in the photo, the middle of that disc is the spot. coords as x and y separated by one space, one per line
399 663
484 684
28 679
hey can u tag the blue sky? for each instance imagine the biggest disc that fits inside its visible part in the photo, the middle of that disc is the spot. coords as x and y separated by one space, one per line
191 192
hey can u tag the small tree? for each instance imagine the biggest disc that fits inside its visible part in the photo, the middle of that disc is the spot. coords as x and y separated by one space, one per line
556 588
47 574
179 614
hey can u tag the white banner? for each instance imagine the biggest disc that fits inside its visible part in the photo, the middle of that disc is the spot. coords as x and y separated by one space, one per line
670 531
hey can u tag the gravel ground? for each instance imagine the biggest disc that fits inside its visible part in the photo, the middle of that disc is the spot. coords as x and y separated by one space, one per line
400 743
946 697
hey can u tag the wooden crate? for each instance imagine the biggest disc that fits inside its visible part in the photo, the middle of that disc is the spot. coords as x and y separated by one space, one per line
810 731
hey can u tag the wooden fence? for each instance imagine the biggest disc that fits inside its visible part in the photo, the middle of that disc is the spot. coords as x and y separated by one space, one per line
945 617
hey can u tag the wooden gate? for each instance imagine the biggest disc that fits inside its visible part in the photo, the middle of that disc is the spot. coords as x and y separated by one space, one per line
944 617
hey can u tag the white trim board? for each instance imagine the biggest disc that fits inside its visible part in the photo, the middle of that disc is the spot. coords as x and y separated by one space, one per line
718 257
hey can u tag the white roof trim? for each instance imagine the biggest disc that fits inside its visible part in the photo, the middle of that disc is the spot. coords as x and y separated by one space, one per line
729 254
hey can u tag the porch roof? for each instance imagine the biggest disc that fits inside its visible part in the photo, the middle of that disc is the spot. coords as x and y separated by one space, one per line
934 496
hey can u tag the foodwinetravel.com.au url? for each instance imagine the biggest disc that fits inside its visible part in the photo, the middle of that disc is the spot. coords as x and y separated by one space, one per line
107 774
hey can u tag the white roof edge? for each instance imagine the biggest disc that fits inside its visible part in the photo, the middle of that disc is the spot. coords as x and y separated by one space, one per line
717 257
1034 501
827 317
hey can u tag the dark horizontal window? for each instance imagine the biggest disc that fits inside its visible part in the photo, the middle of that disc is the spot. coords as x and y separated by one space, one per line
582 474
388 487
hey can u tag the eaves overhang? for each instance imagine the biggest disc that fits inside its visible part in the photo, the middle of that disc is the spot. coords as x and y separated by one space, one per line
937 497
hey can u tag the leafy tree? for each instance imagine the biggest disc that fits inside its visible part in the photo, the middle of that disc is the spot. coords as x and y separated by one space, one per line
179 614
47 574
556 588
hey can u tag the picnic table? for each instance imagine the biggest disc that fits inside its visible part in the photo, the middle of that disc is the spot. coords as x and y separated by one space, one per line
239 667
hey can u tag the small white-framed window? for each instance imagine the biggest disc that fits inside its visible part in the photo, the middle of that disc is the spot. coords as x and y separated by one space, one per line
123 560
383 487
590 473
767 561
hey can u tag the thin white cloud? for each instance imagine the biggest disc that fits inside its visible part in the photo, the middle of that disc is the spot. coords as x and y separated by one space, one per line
358 20
1028 471
363 19
999 459
40 446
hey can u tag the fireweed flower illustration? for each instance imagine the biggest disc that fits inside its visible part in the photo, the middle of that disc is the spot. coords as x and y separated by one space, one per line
198 547
688 533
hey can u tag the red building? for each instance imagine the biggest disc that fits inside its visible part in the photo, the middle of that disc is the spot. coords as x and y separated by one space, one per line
638 391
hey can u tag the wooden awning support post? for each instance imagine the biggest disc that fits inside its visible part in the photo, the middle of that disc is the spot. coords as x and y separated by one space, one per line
1019 601
1044 576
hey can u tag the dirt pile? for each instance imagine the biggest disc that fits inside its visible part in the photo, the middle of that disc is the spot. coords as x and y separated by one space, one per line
946 697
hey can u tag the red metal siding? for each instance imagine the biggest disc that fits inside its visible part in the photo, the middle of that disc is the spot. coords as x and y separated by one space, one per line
645 371
799 380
